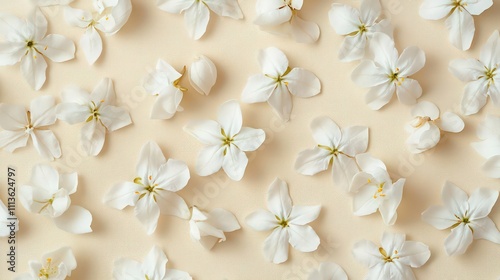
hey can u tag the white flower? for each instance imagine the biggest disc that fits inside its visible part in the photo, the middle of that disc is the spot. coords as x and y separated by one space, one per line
197 12
153 268
336 146
385 72
96 110
48 194
288 224
6 221
328 271
109 16
467 217
482 76
278 81
426 127
202 74
393 259
459 22
20 125
209 228
55 265
43 3
373 190
154 189
358 26
25 42
226 142
281 17
164 83
489 148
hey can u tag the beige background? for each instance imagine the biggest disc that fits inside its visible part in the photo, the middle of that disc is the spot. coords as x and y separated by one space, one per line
151 34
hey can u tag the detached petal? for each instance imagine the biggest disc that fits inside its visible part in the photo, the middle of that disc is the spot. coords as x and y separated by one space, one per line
122 195
57 48
249 139
312 161
302 83
225 8
196 19
276 246
235 163
488 148
488 128
450 122
460 24
147 212
303 238
46 144
75 220
435 9
304 31
278 199
344 19
229 117
91 44
172 204
33 67
258 89
411 61
474 98
261 220
459 240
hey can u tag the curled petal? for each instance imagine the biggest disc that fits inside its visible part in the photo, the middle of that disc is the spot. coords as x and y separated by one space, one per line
203 75
450 122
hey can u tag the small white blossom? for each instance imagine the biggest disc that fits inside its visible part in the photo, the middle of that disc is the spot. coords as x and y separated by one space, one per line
55 265
427 126
209 228
466 216
287 222
385 72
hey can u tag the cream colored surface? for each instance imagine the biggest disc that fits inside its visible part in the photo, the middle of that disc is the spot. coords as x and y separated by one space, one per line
232 45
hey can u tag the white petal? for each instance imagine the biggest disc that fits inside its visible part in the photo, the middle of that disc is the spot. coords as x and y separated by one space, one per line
363 202
172 175
352 48
172 204
175 274
45 177
258 89
155 263
368 74
122 195
75 220
43 111
69 182
223 220
57 48
249 139
370 11
388 208
72 113
367 253
207 132
414 254
33 67
119 15
466 70
104 92
343 170
229 117
10 27
12 140
383 51
150 160
203 74
412 59
147 212
450 122
328 271
281 102
13 117
303 238
91 44
40 24
62 255
491 167
276 246
488 148
378 96
435 9
439 217
11 52
114 118
424 138
354 140
488 128
278 199
167 104
127 269
210 160
425 108
273 62
481 201
93 135
304 31
485 228
326 132
369 164
460 24
344 19
490 52
459 240
312 161
225 8
273 15
77 17
478 7
46 144
408 91
196 19
235 163
261 220
384 26
174 6
302 83
455 199
392 241
302 215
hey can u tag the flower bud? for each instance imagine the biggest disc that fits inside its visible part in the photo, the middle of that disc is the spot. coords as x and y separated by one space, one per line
202 75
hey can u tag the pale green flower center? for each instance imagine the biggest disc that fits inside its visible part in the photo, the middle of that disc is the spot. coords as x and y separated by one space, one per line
282 222
148 189
460 5
490 74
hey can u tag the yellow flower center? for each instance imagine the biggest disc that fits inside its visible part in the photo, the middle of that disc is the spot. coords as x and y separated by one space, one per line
388 258
48 270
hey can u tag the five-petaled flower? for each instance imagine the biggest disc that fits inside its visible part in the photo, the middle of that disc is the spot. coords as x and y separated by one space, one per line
55 265
278 81
385 72
466 216
153 268
282 17
48 194
482 76
208 228
489 146
153 190
373 190
20 125
108 17
96 110
226 142
197 12
358 26
460 22
427 126
287 222
26 42
336 146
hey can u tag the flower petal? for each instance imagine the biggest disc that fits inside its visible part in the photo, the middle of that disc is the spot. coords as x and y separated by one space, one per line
43 111
223 220
57 48
276 246
326 132
114 117
354 140
72 113
388 208
414 254
368 74
352 48
45 177
367 253
439 217
273 62
93 135
435 9
261 220
249 139
312 161
64 256
273 13
450 122
235 163
172 175
174 6
196 19
408 91
11 52
207 132
127 269
75 220
491 167
77 17
477 7
258 89
147 212
302 215
203 74
344 19
412 59
210 160
303 238
39 23
459 240
175 274
150 160
481 201
225 8
466 70
328 270
13 117
488 128
425 109
46 144
363 202
229 117
486 229
460 24
122 195
33 67
304 31
155 263
488 148
369 11
343 170
281 102
10 28
302 83
91 44
455 199
378 96
278 199
490 52
474 97
167 104
383 51
12 140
